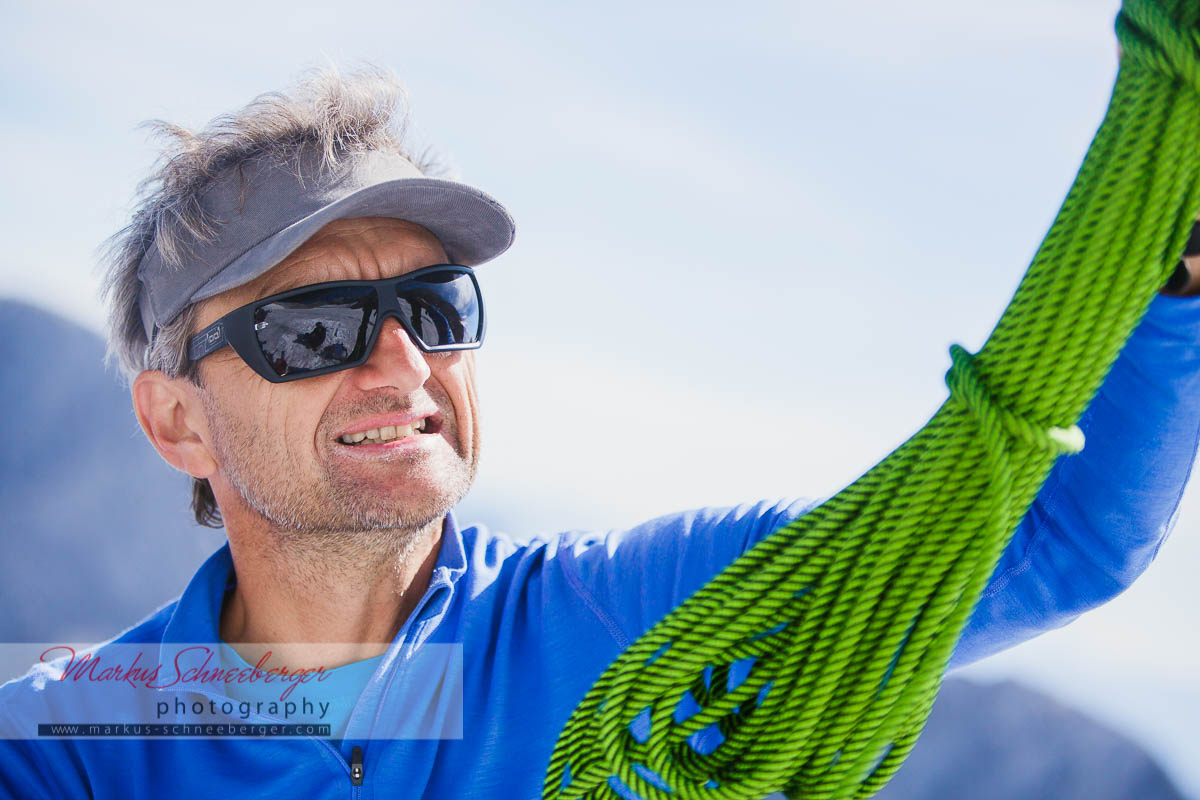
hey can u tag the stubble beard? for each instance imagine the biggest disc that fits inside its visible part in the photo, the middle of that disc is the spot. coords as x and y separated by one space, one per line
336 512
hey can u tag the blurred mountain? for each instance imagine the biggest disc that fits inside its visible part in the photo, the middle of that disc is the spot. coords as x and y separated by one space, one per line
96 532
96 528
1004 741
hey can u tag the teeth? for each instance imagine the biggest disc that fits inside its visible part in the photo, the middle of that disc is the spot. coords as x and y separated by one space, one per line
385 434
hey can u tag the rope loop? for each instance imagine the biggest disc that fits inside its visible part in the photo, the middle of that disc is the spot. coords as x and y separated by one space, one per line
968 390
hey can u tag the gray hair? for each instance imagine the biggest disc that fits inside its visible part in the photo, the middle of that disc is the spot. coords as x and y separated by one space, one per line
365 110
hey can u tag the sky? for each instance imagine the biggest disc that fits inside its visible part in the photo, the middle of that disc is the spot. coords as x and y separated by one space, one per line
746 237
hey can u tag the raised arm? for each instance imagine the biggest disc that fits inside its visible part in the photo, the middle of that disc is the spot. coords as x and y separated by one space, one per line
1102 514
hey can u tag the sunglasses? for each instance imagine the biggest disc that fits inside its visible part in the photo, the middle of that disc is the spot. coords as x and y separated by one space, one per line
325 327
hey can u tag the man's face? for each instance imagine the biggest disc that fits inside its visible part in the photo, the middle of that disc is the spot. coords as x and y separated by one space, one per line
279 446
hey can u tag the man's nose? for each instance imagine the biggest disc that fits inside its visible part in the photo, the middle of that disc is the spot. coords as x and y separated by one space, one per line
396 361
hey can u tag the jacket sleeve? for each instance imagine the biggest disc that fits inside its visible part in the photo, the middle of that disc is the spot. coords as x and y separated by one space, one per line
1102 514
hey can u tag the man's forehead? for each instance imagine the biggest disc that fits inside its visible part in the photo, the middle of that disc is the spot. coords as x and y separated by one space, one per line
377 246
355 248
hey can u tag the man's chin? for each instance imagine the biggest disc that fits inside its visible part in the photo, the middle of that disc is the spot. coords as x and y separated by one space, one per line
415 503
369 519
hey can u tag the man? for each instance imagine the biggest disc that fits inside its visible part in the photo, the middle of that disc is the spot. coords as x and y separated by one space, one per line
295 306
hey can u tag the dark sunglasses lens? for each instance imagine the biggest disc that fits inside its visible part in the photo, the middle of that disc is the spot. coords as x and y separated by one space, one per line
442 307
315 330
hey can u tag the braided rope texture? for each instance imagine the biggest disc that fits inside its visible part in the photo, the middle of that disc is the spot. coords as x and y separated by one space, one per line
845 619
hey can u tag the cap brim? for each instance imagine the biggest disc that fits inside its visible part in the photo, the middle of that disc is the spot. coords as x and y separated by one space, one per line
472 227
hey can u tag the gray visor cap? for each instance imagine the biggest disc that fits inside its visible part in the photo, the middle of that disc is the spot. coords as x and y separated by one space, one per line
265 210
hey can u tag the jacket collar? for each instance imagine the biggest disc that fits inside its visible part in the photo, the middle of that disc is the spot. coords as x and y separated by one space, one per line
197 613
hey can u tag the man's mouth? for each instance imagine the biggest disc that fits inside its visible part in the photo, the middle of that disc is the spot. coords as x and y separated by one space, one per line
389 433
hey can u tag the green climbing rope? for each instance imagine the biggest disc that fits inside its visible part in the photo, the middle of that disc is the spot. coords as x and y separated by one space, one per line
848 616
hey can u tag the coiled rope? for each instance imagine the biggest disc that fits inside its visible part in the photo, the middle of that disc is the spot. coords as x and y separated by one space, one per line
817 655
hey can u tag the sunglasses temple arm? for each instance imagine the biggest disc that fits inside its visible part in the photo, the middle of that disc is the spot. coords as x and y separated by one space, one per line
209 340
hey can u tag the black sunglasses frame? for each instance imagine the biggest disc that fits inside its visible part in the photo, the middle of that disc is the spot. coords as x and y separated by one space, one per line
236 328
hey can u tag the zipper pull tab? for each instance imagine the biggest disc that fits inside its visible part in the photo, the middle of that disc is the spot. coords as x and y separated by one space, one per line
356 767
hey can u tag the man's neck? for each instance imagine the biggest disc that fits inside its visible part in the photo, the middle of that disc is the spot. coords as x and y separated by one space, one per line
349 591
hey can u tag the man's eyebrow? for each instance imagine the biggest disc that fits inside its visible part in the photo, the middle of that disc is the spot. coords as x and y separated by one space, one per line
286 286
279 284
269 289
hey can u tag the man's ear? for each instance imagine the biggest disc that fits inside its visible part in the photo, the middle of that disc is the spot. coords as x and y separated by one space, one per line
169 412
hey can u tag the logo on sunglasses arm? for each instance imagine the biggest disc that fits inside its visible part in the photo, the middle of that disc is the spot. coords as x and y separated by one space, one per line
206 342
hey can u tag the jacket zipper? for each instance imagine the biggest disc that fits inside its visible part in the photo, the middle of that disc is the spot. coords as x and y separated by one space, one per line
357 773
